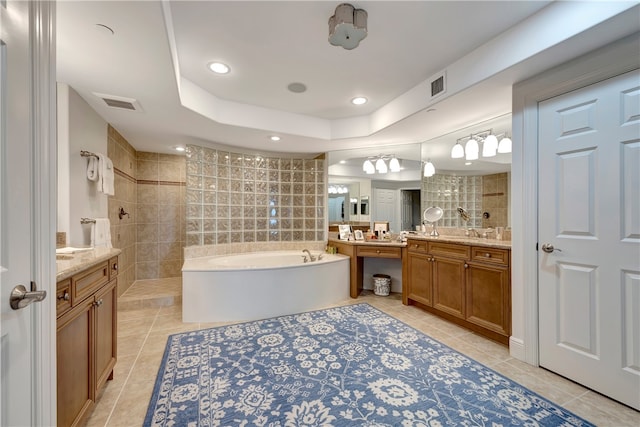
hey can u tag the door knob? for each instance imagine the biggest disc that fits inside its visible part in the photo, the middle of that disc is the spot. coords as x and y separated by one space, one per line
548 248
20 297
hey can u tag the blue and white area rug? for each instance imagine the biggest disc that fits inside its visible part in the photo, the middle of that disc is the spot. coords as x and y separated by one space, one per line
345 366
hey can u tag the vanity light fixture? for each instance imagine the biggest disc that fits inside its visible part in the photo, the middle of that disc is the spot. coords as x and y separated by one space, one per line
338 189
490 145
429 169
219 67
379 164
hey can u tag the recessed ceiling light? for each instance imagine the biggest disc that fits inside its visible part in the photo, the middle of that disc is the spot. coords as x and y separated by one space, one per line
179 148
219 67
342 162
467 163
359 100
274 138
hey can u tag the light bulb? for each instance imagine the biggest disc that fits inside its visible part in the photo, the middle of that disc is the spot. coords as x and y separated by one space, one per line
394 165
505 145
367 165
489 146
457 152
381 166
429 169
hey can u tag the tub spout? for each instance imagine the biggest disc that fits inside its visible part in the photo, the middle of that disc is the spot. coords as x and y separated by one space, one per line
311 257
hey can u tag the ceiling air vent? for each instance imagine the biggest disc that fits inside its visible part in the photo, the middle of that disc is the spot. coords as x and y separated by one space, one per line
437 85
119 102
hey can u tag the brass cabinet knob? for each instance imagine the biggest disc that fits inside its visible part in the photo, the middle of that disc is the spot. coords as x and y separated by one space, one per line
64 296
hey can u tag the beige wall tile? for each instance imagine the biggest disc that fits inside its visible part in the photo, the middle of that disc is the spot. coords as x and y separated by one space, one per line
147 170
146 252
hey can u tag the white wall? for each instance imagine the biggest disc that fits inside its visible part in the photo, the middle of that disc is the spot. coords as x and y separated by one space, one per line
80 128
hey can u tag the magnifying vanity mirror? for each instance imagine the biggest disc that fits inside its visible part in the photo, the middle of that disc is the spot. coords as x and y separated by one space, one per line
481 187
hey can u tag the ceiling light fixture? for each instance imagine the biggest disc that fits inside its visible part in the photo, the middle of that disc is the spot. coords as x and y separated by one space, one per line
490 146
179 148
457 152
471 149
274 138
359 100
219 67
394 165
347 26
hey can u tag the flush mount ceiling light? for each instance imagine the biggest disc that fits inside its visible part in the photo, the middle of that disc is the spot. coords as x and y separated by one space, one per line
347 26
359 100
219 67
274 138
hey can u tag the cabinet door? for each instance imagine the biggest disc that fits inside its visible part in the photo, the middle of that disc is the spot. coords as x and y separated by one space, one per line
489 297
419 271
449 285
74 364
105 333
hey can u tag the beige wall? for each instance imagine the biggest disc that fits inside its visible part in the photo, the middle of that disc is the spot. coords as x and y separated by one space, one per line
160 215
495 200
123 231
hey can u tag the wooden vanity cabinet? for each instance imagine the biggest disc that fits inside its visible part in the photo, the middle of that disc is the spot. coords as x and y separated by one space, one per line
469 285
489 290
86 339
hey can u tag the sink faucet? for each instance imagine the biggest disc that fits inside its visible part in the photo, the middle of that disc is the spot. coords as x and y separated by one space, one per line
311 257
471 232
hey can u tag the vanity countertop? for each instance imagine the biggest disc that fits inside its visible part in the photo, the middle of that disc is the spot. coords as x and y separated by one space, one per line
490 243
79 261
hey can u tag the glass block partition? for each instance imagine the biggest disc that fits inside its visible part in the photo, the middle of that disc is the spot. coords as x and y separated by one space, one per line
242 198
449 192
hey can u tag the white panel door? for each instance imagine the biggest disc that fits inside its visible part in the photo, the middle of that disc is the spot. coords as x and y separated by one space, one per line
589 236
385 207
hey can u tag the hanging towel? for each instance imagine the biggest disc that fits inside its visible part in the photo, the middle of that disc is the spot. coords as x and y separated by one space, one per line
93 169
106 175
101 233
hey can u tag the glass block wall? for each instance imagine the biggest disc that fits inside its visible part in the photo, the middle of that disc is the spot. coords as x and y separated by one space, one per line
449 192
241 198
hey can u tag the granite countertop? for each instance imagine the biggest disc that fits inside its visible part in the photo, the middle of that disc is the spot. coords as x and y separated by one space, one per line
81 260
475 241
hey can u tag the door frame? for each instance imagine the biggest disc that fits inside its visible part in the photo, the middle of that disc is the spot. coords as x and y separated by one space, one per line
42 18
609 61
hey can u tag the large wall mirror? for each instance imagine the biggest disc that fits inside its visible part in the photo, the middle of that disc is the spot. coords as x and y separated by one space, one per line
479 186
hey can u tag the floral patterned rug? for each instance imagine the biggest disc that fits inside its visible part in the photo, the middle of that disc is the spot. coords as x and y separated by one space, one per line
345 366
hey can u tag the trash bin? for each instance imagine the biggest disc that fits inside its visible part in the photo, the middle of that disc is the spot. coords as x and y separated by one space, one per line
381 284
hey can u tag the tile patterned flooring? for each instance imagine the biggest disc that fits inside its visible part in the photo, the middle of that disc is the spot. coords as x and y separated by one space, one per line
151 310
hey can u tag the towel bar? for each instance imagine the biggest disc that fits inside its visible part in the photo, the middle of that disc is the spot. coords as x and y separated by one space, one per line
87 221
84 153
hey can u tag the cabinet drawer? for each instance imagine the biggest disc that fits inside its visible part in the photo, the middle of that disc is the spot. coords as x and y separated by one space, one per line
417 246
63 296
113 267
379 252
89 281
490 255
452 250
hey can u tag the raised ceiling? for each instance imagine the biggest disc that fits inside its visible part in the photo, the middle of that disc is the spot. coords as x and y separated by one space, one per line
158 53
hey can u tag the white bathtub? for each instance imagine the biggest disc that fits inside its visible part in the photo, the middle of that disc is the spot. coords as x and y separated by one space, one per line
260 285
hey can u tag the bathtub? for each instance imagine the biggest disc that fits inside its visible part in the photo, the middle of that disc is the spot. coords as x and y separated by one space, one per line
260 285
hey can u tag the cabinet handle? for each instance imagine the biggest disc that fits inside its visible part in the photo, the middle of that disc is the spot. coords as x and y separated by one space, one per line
98 303
378 251
416 246
64 296
115 266
466 265
487 255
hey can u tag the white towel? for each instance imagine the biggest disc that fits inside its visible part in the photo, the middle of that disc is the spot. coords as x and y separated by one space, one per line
92 169
101 233
106 175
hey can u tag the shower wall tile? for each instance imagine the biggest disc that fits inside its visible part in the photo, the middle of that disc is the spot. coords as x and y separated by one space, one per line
241 198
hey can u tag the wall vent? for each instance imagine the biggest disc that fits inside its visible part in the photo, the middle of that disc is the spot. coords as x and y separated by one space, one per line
119 102
438 85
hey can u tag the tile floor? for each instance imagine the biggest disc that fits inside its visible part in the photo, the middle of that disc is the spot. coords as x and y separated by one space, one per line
150 311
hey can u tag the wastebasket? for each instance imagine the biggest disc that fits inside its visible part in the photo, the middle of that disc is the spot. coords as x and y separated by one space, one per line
381 284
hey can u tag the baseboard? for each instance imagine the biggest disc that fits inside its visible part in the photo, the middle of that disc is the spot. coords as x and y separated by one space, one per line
517 349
